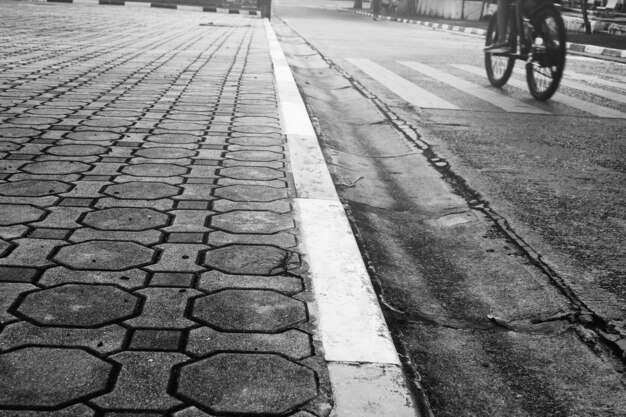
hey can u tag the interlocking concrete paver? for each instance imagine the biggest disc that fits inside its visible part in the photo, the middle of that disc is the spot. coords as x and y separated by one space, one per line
32 188
164 308
105 255
154 170
62 217
11 214
165 153
189 221
130 278
248 259
78 410
142 190
282 239
8 296
143 381
147 237
214 281
77 150
12 274
125 219
252 222
292 343
178 257
31 252
12 232
78 305
104 339
252 173
55 167
86 189
172 279
249 310
247 383
48 377
144 339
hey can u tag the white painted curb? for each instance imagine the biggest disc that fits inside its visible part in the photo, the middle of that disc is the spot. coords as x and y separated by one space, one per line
364 368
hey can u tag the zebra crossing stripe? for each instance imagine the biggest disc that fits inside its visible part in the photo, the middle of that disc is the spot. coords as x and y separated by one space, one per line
620 98
586 106
402 87
504 102
596 80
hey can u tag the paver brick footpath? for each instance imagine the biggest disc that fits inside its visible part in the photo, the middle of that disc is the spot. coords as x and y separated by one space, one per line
148 261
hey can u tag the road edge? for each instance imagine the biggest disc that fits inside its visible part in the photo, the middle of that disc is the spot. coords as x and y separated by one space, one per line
574 48
365 372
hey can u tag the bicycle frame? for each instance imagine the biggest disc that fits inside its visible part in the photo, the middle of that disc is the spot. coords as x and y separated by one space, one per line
521 19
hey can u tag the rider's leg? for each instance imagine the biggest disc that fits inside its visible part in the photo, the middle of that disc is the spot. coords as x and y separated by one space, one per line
503 19
501 45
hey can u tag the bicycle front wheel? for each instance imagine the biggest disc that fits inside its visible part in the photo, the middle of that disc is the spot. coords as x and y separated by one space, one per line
545 68
498 67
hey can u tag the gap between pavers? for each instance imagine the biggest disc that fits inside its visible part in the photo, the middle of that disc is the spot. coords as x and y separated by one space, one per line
364 368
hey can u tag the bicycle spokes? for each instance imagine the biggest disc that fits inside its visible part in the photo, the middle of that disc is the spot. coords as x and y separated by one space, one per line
546 61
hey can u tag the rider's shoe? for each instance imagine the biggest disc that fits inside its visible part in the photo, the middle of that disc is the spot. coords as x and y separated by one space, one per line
498 48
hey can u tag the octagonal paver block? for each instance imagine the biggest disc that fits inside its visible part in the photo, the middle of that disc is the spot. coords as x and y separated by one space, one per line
174 138
93 136
154 170
142 190
18 132
107 122
252 222
78 305
48 377
76 150
110 255
251 193
165 153
248 259
263 384
33 188
11 214
252 173
124 218
249 310
9 146
55 167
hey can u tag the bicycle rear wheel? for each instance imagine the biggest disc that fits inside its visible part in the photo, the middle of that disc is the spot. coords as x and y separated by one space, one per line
545 68
499 67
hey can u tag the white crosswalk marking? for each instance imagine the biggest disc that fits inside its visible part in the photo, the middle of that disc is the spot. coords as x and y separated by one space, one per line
422 98
504 102
596 80
576 103
620 98
402 87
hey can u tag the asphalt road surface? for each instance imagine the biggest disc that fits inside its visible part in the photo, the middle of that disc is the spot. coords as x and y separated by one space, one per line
493 225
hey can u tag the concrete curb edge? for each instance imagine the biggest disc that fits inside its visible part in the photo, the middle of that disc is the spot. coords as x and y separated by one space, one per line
364 368
592 50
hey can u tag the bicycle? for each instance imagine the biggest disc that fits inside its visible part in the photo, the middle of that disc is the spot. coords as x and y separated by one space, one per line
541 44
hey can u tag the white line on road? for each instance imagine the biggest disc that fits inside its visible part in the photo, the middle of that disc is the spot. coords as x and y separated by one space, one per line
402 87
620 98
504 102
576 103
597 80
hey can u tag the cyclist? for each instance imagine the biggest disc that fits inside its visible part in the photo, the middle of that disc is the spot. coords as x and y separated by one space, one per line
502 44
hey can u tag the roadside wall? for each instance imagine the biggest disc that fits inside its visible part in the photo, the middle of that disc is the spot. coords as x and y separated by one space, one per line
449 9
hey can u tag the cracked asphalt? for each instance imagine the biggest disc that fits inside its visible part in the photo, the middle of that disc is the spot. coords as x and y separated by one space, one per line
148 259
